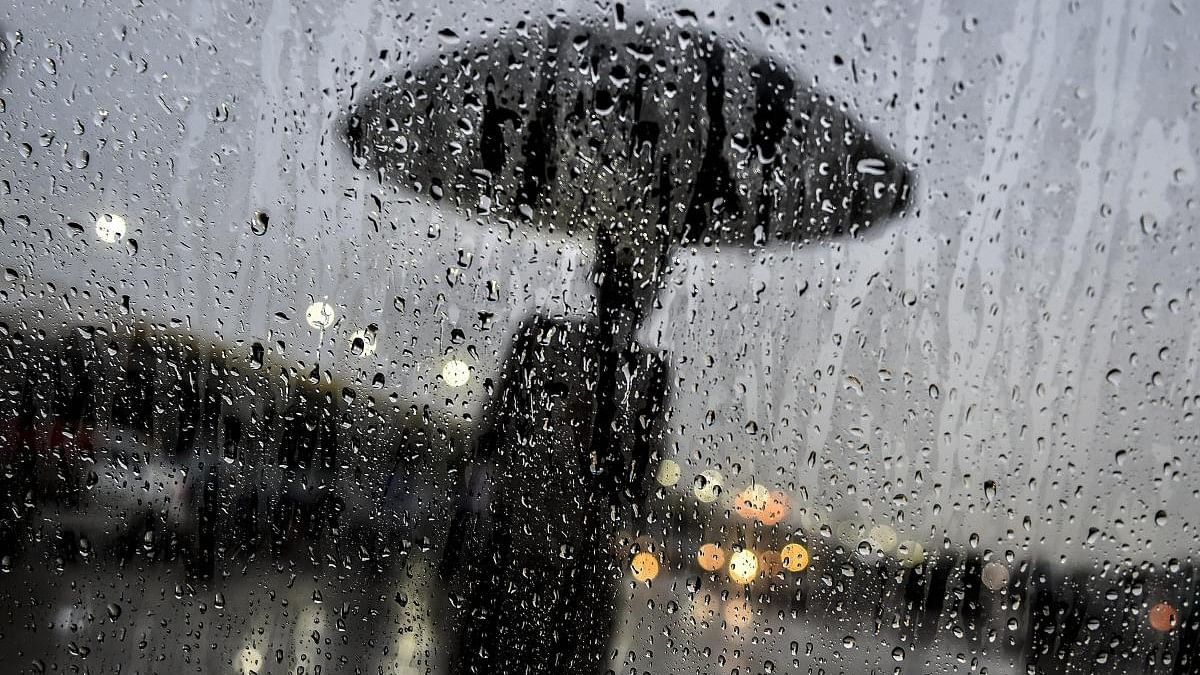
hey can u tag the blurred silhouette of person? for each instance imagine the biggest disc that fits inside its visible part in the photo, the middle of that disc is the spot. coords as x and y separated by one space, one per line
642 139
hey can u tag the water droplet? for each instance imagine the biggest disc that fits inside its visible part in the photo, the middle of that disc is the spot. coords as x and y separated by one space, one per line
258 224
363 341
872 166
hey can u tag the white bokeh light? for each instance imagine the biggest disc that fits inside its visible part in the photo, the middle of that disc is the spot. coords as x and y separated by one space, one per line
110 227
456 373
250 660
320 315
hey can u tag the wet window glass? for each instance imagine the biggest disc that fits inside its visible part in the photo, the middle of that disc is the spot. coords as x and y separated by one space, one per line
384 337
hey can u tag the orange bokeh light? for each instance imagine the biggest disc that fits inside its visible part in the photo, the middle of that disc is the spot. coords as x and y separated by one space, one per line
1163 617
775 510
771 563
711 557
644 566
750 502
736 613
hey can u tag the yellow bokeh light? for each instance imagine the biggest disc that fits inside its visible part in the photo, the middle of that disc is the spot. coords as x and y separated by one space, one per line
743 566
882 538
456 373
910 553
668 473
110 227
794 557
644 566
708 486
711 557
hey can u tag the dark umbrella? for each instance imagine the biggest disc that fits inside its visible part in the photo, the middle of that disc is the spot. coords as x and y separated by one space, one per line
641 137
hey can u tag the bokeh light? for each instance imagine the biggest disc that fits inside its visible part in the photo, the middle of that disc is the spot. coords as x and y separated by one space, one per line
743 566
1163 617
750 502
644 566
995 576
110 227
883 538
320 315
707 486
775 510
794 557
668 473
910 553
250 660
456 373
736 613
711 557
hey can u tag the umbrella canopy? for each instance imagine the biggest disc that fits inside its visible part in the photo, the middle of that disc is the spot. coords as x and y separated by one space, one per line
635 132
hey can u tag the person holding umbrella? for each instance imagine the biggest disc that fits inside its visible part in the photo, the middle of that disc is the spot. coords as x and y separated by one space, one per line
644 138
